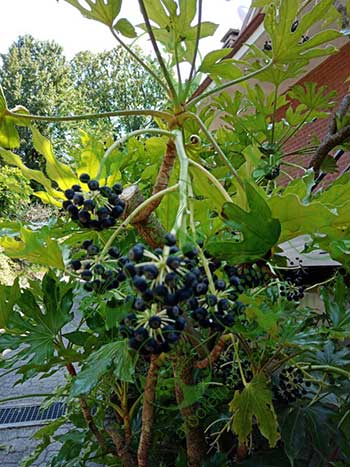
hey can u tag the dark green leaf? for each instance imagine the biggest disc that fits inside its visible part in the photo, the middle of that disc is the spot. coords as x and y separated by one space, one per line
293 433
260 231
115 357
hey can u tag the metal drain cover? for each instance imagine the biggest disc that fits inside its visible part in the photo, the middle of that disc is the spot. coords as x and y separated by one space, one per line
29 415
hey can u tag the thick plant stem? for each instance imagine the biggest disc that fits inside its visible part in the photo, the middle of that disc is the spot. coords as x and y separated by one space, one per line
148 410
183 183
122 448
334 137
195 439
87 414
135 205
215 353
161 182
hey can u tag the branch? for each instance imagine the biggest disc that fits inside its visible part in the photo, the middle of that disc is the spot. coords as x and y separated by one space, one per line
122 448
195 439
139 60
161 182
343 12
334 137
196 100
148 410
87 414
215 353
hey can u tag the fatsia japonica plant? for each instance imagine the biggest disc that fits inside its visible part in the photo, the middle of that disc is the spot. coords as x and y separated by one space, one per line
165 295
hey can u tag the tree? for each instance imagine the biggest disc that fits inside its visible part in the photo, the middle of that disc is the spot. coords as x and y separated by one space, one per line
111 80
38 75
194 346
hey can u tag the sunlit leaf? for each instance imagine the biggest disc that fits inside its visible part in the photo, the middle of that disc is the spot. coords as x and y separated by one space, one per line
61 173
99 10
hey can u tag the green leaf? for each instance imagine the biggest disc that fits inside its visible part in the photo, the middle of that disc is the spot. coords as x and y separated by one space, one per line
255 401
35 325
34 246
77 337
12 159
105 11
9 137
203 187
44 434
211 59
115 357
329 165
297 218
293 433
126 28
61 173
260 231
90 156
8 297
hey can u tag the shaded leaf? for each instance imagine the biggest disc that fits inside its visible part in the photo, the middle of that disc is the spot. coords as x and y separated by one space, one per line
115 357
255 401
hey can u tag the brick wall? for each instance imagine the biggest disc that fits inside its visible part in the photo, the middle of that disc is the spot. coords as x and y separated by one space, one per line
332 72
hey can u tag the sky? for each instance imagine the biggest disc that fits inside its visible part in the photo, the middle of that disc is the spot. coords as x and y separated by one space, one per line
59 21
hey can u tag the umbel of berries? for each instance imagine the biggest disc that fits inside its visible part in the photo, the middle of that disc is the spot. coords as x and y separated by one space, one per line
157 278
97 207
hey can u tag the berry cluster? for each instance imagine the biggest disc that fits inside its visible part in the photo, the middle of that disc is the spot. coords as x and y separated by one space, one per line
290 385
97 208
168 287
267 46
226 370
292 287
99 277
273 173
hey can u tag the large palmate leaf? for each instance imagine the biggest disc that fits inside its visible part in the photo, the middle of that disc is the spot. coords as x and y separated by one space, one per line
99 10
115 357
254 402
297 218
36 246
34 323
257 229
9 137
175 30
279 18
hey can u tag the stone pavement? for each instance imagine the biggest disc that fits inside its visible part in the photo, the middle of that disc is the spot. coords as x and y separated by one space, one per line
16 443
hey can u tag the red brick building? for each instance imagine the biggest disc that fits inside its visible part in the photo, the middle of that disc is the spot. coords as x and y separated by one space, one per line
332 71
